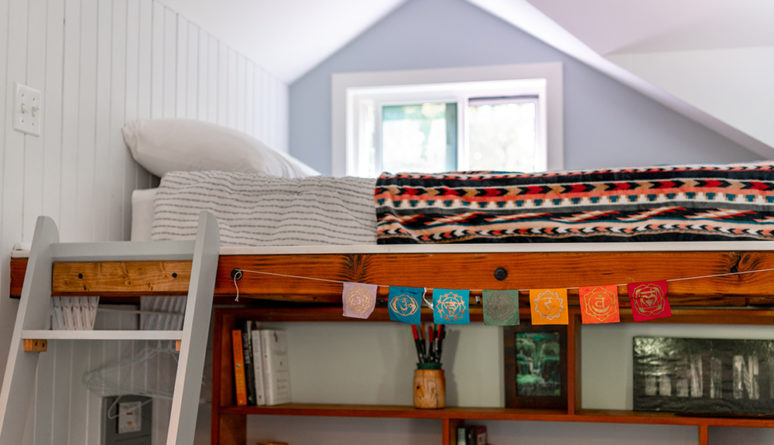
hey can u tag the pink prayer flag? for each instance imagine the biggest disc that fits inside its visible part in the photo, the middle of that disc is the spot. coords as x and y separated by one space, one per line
649 300
358 299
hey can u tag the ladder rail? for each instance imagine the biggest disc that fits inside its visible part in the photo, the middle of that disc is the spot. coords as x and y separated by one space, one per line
201 287
33 312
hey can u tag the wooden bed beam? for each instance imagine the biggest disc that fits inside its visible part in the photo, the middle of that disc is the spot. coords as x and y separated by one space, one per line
449 270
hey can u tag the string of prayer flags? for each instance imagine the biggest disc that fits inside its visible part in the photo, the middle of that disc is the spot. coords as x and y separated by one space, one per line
501 307
599 304
404 304
649 300
358 299
451 306
548 306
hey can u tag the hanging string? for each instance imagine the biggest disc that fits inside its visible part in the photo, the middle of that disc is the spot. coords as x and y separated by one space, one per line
722 274
424 298
236 274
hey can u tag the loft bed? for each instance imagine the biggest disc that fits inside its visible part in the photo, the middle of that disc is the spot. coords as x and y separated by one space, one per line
721 291
711 223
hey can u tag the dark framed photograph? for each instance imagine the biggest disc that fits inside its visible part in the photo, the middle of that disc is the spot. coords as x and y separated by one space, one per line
535 366
704 376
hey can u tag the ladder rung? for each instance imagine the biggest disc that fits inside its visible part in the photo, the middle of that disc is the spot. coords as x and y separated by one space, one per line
124 251
61 334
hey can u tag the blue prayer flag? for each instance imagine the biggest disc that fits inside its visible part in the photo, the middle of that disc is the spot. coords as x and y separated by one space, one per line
450 306
405 303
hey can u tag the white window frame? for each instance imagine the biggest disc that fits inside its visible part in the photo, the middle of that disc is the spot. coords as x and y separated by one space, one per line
443 84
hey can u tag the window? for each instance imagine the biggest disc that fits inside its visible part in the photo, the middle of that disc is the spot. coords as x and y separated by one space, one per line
396 121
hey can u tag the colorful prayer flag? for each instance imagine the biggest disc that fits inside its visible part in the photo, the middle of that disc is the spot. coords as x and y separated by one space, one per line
358 299
649 300
548 306
450 306
599 304
404 304
501 307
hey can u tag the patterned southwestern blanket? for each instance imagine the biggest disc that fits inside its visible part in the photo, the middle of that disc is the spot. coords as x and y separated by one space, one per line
666 203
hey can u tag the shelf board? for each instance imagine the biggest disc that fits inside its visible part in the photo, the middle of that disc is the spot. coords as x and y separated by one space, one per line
471 413
101 335
337 410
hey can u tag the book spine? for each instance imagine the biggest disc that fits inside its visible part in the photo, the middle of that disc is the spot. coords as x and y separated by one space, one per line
470 435
461 434
275 367
481 435
260 394
247 353
240 385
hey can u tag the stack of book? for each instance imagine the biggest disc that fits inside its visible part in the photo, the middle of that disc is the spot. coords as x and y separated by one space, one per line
471 435
261 372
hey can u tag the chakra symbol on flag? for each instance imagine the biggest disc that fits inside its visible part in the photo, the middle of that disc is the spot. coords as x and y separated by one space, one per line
499 307
451 306
600 303
358 300
649 299
549 305
404 305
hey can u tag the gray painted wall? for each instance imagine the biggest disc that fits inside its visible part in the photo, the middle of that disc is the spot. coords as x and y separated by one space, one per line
606 124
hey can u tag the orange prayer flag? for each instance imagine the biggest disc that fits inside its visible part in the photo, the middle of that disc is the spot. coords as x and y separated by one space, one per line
548 306
599 304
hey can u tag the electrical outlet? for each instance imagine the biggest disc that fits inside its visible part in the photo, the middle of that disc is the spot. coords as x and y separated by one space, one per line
27 110
116 429
129 417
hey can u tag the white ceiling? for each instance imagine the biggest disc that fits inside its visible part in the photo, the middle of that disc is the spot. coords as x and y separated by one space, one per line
609 26
285 37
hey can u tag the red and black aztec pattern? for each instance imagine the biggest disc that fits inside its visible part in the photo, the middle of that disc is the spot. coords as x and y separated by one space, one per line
667 203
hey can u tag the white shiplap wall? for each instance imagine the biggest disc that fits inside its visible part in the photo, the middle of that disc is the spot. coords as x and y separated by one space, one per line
100 63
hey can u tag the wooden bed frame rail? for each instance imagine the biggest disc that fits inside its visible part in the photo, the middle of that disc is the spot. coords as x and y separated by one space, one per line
453 270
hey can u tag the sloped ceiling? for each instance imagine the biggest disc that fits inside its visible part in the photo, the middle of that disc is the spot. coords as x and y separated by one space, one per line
716 55
710 60
627 26
286 37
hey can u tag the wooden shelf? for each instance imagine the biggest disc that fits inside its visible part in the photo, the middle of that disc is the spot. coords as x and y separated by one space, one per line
733 299
339 410
477 413
229 421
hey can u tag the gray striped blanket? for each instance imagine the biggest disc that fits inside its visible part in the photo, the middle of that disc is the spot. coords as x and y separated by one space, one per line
259 210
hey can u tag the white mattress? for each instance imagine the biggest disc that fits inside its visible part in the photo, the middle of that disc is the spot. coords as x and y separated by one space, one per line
142 214
261 210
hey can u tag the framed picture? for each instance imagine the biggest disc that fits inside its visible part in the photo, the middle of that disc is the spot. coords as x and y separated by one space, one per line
704 376
535 366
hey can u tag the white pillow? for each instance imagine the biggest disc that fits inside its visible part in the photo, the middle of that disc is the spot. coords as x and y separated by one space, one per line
164 145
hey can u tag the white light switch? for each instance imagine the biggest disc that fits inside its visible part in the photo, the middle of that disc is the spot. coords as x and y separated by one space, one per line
27 110
129 417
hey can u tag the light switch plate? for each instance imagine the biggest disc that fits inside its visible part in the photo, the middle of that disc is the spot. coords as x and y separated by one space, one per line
28 109
129 417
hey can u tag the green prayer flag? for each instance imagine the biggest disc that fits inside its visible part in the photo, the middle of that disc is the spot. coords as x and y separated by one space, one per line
501 307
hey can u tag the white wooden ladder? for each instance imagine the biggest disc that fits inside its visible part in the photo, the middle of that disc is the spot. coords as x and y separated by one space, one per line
33 321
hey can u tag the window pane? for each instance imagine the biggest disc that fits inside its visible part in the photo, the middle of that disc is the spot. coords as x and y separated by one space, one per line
502 135
419 138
